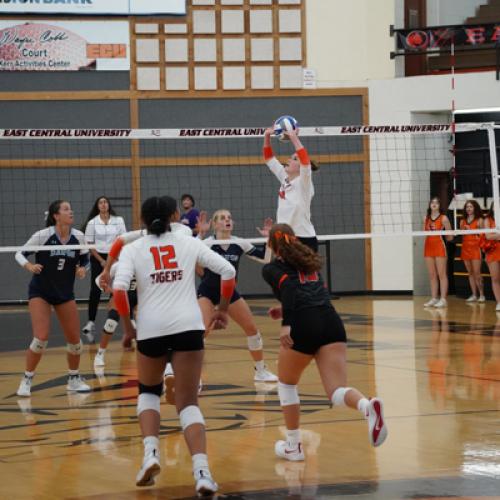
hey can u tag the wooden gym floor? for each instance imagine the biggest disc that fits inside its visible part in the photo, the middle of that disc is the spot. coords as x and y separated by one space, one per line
438 372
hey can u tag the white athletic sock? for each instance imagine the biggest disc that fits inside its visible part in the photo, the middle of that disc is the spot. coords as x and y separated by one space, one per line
200 460
101 350
150 443
73 373
29 374
293 437
363 405
260 365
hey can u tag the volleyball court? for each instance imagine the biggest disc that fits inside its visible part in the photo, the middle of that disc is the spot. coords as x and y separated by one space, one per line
372 182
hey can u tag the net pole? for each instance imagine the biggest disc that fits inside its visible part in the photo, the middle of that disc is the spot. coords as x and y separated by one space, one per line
494 173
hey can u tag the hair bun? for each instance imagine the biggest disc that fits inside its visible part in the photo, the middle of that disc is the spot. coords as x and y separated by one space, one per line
157 224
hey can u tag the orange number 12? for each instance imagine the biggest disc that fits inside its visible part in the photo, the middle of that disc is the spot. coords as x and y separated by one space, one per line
164 257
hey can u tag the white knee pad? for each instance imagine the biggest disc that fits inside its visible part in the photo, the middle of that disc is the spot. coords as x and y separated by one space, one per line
38 346
148 401
191 415
75 348
255 342
110 326
338 397
289 395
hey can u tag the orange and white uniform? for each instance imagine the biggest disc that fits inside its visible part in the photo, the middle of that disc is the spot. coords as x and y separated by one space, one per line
470 242
493 255
434 245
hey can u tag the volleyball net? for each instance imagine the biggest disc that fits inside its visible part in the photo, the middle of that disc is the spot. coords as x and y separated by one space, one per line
373 181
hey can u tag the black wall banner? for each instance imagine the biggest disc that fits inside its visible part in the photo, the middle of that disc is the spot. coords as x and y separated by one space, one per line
441 37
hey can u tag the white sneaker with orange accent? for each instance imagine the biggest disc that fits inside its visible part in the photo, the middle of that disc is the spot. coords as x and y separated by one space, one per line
377 430
284 450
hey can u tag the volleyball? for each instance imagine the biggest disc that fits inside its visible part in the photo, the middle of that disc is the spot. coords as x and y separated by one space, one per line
284 124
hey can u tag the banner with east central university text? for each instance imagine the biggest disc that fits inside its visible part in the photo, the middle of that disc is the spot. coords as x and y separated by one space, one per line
93 7
438 37
64 45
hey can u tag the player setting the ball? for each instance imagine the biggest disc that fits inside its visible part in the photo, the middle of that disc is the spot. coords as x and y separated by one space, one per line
297 190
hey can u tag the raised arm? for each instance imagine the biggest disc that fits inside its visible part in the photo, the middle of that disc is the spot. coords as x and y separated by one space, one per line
260 253
302 154
271 161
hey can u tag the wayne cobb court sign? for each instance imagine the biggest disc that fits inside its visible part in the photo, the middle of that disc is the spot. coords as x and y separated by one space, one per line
64 45
91 7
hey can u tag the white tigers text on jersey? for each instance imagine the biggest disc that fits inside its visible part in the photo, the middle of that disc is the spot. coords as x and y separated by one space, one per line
164 268
294 202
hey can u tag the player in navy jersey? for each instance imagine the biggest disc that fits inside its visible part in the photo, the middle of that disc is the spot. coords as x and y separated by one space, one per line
208 290
52 285
311 329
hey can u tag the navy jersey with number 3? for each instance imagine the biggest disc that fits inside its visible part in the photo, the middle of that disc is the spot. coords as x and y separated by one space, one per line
55 283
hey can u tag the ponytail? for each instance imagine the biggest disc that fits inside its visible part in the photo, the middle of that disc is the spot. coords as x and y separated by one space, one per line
284 243
157 227
156 213
54 207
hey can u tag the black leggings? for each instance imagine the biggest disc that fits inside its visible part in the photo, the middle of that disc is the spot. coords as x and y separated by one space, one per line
95 292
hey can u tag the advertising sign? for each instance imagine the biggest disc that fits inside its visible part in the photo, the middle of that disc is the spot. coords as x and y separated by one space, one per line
438 37
64 45
93 7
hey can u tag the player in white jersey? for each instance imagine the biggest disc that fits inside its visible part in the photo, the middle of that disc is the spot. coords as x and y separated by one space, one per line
169 322
114 253
297 189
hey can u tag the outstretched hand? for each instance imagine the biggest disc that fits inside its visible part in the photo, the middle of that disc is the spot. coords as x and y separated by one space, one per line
202 224
266 227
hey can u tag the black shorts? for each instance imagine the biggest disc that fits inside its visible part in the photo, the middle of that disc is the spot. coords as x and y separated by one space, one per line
315 327
213 294
191 340
311 242
52 299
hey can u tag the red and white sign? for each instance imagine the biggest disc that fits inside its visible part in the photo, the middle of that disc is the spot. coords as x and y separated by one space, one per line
64 45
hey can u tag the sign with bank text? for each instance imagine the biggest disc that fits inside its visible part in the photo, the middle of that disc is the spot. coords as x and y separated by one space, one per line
93 7
64 45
